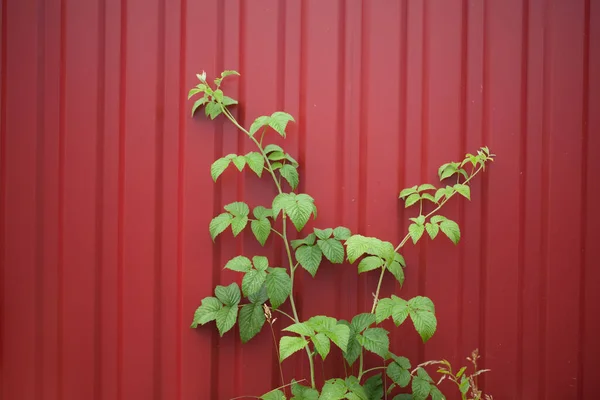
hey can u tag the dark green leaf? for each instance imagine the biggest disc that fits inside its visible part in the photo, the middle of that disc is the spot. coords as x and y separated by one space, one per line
259 297
301 329
361 322
376 340
308 240
322 345
397 271
436 394
332 250
321 323
261 229
374 387
226 318
303 392
261 263
207 311
253 281
251 321
279 286
228 295
309 258
383 310
422 313
339 335
334 389
421 385
398 374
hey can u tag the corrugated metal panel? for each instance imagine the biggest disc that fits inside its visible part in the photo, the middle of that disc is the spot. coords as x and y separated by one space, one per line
105 195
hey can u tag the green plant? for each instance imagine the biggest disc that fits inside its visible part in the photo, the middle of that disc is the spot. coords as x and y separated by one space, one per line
267 287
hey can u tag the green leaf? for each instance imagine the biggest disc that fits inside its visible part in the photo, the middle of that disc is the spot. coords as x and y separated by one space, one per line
261 263
289 345
308 240
261 229
228 101
218 167
400 310
279 121
274 394
426 186
374 387
261 212
403 396
416 231
207 311
361 322
334 389
451 229
239 264
322 345
219 224
253 281
292 160
412 199
276 156
198 103
238 208
193 92
290 174
303 392
238 224
281 202
436 394
439 194
256 162
376 340
408 191
341 233
322 323
309 258
383 310
464 385
357 245
332 250
422 314
369 263
226 318
399 259
251 321
397 271
323 233
432 229
300 210
436 219
427 196
228 295
357 392
463 190
212 110
258 123
339 335
218 95
279 286
271 148
398 374
421 385
259 297
239 162
301 329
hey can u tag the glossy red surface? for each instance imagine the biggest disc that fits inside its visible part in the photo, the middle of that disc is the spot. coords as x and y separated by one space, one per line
106 196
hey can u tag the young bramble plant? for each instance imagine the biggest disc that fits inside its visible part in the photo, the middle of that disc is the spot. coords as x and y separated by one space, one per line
266 288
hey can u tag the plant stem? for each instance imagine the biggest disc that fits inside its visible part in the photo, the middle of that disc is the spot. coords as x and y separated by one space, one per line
277 352
373 369
360 365
283 235
403 242
284 313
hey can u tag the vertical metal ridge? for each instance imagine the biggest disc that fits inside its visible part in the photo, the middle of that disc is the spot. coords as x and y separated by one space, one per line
362 297
340 130
485 129
3 45
422 246
403 104
61 199
302 92
159 170
464 70
99 228
39 193
522 194
121 195
217 198
584 194
181 192
544 251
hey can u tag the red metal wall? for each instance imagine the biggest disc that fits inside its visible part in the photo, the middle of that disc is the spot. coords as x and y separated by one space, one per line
106 196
